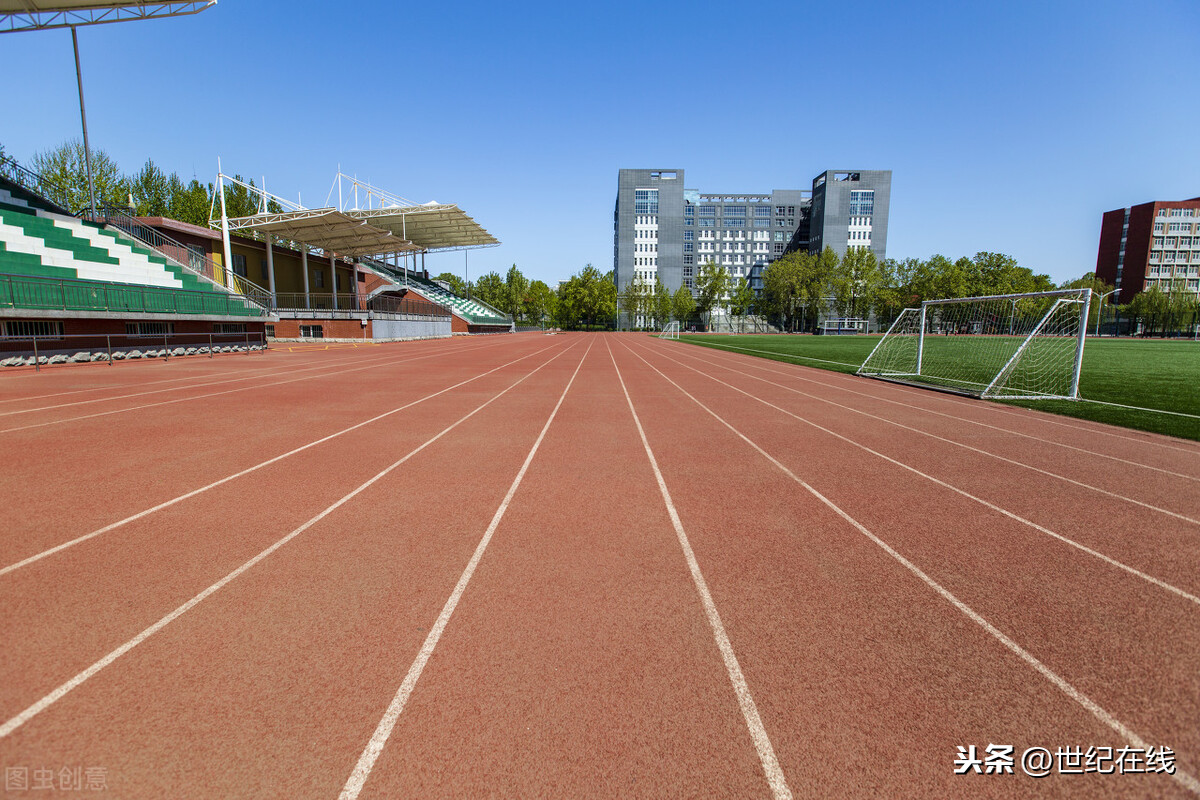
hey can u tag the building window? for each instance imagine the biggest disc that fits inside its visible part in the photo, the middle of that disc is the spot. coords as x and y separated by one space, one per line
239 265
708 211
862 202
229 327
687 247
142 329
270 331
318 279
312 332
687 235
645 201
28 328
689 211
778 248
689 259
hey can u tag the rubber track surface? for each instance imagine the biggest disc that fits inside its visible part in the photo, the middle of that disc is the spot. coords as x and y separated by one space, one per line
218 575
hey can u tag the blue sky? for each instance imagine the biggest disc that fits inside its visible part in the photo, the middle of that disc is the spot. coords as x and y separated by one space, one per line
1008 127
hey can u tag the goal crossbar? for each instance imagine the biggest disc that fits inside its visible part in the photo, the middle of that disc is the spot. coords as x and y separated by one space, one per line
1010 346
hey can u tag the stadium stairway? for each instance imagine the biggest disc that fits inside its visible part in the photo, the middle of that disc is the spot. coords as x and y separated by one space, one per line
38 241
472 311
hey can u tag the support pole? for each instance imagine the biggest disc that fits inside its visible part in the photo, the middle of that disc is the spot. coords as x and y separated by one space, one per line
87 150
1087 304
270 266
304 271
333 269
227 249
921 340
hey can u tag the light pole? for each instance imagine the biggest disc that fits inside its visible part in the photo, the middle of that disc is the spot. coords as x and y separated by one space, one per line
1100 310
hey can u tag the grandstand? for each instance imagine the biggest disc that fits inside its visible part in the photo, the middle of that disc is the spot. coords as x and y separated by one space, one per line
66 280
469 315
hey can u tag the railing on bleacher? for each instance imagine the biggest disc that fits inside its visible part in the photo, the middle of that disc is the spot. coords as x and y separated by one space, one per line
350 305
48 190
180 254
70 294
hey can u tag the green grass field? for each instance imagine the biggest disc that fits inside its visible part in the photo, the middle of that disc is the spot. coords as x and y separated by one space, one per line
1152 374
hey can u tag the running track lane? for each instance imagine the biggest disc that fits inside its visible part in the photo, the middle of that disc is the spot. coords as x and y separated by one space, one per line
76 605
158 454
991 576
272 684
1165 542
579 662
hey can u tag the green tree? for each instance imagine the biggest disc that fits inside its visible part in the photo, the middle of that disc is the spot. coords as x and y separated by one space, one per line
632 302
588 299
491 289
540 302
151 190
65 169
191 203
515 287
712 284
661 304
683 305
856 283
456 284
741 300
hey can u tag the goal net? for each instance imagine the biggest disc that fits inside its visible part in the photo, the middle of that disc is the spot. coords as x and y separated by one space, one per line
671 331
1014 346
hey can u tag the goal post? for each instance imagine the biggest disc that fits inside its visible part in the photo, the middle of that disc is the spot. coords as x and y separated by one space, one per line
670 331
1012 346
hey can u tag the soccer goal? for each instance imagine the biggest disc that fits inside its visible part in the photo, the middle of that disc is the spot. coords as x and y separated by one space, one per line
671 331
1011 346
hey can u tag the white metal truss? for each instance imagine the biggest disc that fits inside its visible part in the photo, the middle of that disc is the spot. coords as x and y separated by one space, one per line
32 15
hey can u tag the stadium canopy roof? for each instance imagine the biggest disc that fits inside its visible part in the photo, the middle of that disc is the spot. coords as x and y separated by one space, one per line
34 15
389 225
434 226
327 229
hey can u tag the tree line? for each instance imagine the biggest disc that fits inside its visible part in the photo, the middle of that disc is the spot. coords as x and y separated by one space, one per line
147 192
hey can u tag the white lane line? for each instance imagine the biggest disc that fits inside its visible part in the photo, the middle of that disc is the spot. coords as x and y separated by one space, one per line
61 691
366 762
843 407
758 733
291 370
1003 430
218 394
992 506
187 495
1184 778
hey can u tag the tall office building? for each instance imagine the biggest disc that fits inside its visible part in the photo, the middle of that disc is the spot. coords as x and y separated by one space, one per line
664 231
849 209
1150 244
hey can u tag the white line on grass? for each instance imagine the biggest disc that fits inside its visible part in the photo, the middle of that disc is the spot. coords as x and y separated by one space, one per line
758 733
1141 408
362 770
1183 778
710 343
992 506
61 691
925 394
997 407
187 495
842 407
218 394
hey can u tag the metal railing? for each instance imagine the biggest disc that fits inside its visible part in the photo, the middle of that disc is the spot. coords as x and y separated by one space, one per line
180 254
42 350
351 304
47 190
70 294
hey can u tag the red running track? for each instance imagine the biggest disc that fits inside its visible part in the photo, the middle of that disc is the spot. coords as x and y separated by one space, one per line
581 565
